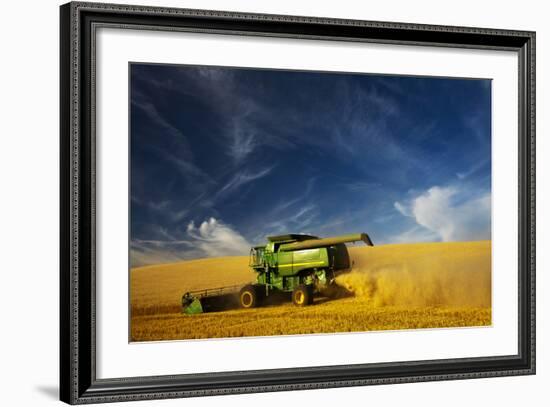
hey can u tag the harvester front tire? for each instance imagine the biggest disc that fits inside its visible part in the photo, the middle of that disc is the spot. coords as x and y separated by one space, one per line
302 295
248 297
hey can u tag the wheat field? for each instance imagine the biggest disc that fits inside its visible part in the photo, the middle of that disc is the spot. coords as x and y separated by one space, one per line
405 286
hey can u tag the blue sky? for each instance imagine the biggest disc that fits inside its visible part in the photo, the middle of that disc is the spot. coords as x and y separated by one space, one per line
223 157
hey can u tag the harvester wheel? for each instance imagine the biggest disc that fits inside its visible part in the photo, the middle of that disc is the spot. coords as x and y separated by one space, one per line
302 295
248 297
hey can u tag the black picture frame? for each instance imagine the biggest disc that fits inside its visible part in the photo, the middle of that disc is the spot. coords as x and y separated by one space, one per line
78 382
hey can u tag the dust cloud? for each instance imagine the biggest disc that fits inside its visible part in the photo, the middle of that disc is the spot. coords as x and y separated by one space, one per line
456 274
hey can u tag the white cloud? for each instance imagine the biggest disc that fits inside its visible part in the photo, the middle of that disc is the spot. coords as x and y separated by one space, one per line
214 238
450 213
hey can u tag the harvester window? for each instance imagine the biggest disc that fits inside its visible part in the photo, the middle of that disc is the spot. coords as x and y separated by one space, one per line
256 256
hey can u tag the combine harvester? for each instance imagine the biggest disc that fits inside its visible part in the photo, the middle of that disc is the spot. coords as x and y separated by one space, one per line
299 264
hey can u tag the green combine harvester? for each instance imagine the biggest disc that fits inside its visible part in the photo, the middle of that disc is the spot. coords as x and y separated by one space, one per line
299 264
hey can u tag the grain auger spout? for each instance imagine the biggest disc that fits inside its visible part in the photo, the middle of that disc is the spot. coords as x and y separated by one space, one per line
302 265
327 242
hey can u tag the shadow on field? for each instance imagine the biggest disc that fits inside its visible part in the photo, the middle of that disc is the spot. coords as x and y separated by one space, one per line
228 302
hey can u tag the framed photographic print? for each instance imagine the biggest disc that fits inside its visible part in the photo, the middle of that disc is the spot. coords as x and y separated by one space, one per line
256 203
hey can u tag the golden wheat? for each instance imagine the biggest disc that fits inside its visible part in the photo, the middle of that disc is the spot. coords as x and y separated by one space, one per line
396 287
345 315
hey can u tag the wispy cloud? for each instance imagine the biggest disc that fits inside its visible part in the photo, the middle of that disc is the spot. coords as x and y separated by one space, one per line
290 214
159 206
163 246
162 232
415 234
297 221
392 86
144 253
304 215
283 205
402 209
179 215
244 142
166 208
217 88
362 186
476 126
186 168
473 169
362 129
242 178
141 101
173 148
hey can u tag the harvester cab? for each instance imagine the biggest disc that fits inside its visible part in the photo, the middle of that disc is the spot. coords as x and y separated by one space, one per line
302 265
256 256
